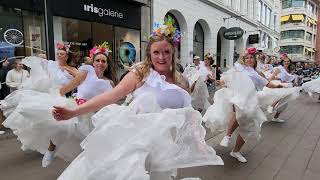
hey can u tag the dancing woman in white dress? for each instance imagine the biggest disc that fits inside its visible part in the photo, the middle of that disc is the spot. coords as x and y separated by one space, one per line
44 75
281 75
90 82
237 105
157 133
197 75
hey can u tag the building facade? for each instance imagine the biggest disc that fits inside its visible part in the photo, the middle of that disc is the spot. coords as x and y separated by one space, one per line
203 24
299 19
29 27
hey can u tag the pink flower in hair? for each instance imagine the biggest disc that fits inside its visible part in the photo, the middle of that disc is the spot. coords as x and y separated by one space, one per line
251 51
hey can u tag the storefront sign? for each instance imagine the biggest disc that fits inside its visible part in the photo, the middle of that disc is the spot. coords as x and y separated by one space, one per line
115 12
103 12
233 33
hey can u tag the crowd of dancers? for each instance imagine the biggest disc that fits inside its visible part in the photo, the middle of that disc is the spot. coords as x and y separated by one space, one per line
160 128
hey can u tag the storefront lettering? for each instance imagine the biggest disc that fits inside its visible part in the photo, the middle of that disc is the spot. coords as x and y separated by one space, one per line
102 12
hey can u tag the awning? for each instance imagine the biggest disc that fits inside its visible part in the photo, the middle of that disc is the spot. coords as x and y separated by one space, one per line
297 17
309 49
285 18
312 21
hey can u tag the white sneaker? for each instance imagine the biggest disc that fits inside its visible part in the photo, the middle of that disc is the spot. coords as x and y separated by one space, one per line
270 109
310 94
47 158
238 156
225 141
277 120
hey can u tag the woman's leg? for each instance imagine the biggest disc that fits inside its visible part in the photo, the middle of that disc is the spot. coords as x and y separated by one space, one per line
51 147
239 143
235 152
232 125
49 155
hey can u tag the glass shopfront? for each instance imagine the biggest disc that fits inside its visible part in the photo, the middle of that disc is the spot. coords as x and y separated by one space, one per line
91 23
26 29
83 35
22 33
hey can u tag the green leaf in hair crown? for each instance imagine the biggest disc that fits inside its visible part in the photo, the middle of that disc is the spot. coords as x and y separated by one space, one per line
167 28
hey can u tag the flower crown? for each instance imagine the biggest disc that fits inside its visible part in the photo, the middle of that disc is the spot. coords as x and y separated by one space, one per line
61 46
166 28
102 48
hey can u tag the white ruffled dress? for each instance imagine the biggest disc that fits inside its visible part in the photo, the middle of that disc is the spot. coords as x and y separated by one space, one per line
200 93
38 81
312 86
269 96
33 123
156 134
240 92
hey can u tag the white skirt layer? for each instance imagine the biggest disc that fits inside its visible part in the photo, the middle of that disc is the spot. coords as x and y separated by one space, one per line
9 103
312 86
38 81
240 93
130 140
269 96
33 123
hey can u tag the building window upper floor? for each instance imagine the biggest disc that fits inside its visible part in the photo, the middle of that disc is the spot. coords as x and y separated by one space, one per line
292 49
264 14
292 34
292 3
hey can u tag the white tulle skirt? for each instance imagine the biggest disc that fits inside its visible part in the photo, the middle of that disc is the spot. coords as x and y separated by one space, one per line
141 141
241 94
10 102
312 86
33 123
269 96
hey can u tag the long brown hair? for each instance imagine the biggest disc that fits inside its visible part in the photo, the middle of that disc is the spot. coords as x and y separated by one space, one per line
143 69
110 71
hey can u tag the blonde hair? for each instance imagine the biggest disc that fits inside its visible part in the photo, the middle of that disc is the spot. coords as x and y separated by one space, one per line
143 68
243 57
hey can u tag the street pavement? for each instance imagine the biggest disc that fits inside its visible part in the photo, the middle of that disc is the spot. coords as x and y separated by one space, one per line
286 151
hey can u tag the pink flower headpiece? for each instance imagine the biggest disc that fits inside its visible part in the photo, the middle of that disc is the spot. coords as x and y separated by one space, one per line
251 51
167 28
61 46
102 48
284 55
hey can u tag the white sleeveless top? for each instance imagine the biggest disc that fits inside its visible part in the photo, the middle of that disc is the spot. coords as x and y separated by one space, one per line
258 80
169 96
60 77
92 85
284 76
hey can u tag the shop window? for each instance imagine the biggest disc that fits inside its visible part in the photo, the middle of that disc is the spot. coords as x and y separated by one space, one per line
198 41
127 48
83 35
22 33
